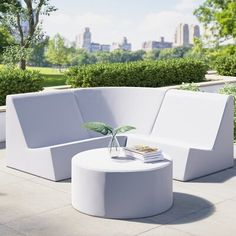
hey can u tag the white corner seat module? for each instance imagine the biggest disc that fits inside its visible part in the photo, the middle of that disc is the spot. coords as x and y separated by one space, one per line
44 130
196 130
120 189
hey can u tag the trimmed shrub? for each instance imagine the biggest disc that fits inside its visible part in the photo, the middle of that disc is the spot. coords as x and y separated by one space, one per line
226 65
229 89
137 74
189 87
14 81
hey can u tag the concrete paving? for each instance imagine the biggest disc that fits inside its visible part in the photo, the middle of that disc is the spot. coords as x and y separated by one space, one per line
33 206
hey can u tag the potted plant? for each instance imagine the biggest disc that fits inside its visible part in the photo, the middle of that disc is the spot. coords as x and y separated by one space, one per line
104 129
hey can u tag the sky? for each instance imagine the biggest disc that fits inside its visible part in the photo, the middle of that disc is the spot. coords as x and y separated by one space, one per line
110 20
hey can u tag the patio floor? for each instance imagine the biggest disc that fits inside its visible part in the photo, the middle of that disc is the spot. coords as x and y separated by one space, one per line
32 206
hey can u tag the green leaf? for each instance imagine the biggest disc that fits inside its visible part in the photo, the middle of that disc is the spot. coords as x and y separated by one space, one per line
99 127
123 129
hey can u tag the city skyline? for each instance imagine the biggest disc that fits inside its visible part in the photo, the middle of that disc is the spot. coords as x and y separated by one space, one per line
184 36
110 21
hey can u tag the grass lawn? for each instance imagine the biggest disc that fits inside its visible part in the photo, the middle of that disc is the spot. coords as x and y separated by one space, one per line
52 76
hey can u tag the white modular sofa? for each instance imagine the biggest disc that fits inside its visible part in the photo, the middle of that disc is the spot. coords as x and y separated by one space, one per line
44 130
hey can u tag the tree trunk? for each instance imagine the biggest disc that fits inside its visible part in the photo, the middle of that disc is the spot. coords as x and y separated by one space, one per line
22 64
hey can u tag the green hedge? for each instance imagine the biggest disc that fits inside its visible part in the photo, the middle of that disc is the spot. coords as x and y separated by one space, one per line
138 74
230 89
226 65
14 81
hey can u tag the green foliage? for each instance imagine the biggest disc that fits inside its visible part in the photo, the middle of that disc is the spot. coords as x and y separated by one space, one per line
99 127
84 58
105 129
51 76
231 90
37 57
5 39
15 15
189 87
226 65
123 129
219 16
152 55
117 56
14 53
57 53
138 74
14 81
210 55
177 52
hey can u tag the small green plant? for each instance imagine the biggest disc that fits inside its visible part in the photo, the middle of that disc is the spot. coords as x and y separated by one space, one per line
229 89
105 129
189 86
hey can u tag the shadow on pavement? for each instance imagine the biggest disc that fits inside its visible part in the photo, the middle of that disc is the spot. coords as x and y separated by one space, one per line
186 209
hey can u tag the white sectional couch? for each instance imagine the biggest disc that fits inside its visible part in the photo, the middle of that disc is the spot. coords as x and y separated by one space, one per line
44 130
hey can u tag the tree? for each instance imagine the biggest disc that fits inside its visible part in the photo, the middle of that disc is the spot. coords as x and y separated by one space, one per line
137 55
177 52
22 19
152 55
219 16
57 52
37 57
85 58
5 38
103 57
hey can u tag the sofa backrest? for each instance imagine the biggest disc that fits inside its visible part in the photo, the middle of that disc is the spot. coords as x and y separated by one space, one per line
48 118
121 106
190 117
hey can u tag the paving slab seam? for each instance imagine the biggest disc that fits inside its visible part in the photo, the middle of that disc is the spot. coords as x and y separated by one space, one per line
193 188
35 214
180 230
172 221
15 175
45 185
222 201
145 231
173 226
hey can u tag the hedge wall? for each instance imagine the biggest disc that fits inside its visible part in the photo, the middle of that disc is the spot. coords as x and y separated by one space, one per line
14 81
138 74
226 65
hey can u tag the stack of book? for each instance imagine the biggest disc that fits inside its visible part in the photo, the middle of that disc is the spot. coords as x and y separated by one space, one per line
144 153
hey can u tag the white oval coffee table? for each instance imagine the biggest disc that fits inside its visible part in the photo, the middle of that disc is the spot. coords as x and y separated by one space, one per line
120 189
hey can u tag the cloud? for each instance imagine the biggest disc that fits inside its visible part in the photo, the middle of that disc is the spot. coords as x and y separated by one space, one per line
70 26
108 28
163 23
104 28
187 5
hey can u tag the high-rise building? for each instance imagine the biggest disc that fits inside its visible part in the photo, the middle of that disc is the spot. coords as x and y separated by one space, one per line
105 47
124 45
194 32
85 41
86 44
182 35
185 34
150 45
